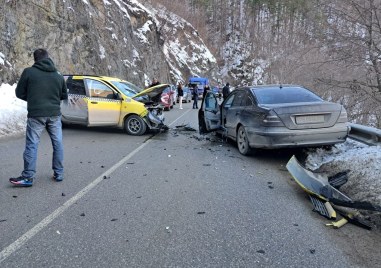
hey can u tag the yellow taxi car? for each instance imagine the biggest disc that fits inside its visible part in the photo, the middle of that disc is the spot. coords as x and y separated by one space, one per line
109 101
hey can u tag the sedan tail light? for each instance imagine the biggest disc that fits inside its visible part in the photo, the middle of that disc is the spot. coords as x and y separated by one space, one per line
272 120
343 117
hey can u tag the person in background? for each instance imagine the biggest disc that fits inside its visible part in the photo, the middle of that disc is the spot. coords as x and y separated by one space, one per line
43 88
180 93
195 96
155 82
206 90
225 91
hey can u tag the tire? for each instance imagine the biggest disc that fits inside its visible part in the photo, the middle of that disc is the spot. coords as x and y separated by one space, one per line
242 141
135 125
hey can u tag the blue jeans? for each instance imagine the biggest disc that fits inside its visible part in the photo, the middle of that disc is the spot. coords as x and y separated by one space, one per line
195 102
34 128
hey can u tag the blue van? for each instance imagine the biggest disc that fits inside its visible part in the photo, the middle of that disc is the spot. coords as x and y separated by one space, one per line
201 82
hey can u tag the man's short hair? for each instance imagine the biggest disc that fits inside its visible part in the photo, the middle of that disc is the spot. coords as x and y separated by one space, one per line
40 54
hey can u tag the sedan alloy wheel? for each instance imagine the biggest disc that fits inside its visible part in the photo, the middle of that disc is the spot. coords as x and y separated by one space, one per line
242 141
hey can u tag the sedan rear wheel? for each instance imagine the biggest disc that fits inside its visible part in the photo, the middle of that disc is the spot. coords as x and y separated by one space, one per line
242 141
135 125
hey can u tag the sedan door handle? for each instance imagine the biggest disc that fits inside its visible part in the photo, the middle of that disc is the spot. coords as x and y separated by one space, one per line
94 102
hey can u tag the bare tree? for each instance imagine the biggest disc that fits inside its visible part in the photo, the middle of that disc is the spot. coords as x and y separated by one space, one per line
331 46
353 42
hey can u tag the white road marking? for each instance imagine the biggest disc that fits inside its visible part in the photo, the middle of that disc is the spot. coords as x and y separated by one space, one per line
179 117
6 252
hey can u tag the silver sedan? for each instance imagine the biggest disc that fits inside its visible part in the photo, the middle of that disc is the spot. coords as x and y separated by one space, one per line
274 116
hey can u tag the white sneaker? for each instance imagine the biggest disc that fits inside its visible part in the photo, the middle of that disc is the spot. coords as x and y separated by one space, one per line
181 108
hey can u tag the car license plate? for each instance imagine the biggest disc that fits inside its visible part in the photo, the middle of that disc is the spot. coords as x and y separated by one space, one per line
310 119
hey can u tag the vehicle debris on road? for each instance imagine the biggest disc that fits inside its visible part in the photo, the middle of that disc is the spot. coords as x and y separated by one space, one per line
185 127
326 198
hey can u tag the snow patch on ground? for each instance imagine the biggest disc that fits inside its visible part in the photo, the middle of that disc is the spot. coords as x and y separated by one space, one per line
12 112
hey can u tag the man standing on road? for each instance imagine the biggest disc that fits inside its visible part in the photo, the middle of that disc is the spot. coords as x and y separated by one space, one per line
225 90
195 96
43 88
155 82
180 93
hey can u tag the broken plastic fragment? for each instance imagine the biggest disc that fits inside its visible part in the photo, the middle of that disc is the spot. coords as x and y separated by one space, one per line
185 127
318 186
337 224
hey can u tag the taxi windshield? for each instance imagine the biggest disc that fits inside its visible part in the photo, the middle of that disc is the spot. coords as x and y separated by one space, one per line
126 88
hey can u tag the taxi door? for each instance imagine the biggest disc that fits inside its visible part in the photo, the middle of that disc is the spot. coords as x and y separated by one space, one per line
103 104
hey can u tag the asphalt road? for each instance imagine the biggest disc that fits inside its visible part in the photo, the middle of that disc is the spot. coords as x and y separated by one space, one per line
173 199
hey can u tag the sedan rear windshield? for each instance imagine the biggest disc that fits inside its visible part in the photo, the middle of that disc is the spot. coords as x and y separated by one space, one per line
276 95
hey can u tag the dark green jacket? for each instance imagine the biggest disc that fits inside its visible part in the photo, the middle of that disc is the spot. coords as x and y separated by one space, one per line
43 88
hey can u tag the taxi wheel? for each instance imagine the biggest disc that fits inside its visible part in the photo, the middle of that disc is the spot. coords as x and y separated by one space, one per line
242 141
135 125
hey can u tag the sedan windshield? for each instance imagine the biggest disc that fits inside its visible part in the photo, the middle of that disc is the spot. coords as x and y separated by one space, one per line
276 95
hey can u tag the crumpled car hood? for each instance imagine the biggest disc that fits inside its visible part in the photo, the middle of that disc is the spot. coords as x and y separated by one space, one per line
151 94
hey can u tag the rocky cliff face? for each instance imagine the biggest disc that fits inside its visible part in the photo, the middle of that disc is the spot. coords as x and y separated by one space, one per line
186 53
100 37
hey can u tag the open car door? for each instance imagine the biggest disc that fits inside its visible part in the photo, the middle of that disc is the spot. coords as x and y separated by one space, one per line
209 115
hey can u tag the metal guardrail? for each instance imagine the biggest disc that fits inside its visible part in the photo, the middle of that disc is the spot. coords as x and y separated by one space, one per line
368 135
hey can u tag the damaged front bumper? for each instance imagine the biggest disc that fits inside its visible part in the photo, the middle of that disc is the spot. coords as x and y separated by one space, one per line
155 118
